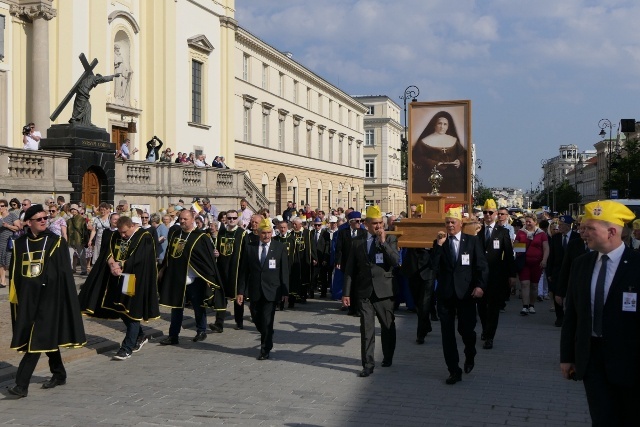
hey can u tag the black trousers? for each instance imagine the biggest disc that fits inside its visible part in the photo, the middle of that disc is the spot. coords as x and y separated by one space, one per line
369 309
609 404
29 362
264 315
422 293
238 314
489 307
465 311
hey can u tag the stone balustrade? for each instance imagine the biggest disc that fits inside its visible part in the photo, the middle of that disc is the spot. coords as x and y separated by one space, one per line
33 174
38 174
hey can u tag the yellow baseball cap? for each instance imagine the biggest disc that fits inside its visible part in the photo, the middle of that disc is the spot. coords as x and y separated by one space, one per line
609 211
636 224
265 225
490 204
374 212
454 213
420 208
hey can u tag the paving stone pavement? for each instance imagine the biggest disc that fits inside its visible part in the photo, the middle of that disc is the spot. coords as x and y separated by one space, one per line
310 380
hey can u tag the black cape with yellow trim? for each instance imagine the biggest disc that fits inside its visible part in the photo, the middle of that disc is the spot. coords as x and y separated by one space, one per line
185 250
45 313
289 242
101 295
300 268
230 245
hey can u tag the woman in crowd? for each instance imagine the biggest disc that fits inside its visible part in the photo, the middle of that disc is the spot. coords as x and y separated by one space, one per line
14 205
179 157
100 223
537 252
9 224
57 224
163 235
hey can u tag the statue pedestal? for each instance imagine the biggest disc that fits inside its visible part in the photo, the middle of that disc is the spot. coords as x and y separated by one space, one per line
421 232
91 151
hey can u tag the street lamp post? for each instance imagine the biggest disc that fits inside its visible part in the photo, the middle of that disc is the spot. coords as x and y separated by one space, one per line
411 92
602 124
545 176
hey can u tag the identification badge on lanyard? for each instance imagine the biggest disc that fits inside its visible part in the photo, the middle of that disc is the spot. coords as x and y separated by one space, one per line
272 264
496 244
465 259
629 301
379 259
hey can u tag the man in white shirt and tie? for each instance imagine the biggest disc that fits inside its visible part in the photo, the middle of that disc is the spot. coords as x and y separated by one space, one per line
600 341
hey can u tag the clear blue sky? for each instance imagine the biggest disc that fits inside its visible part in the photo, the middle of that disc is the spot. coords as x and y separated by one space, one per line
539 73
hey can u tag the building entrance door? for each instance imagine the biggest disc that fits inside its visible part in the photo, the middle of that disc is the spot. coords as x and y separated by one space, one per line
91 189
118 135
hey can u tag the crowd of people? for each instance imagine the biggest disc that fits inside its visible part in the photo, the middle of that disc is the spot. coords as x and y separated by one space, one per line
194 254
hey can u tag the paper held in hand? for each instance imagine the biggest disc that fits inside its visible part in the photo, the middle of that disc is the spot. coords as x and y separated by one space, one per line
128 284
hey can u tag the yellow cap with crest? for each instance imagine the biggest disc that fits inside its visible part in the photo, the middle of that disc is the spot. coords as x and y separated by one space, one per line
265 225
490 204
609 211
454 213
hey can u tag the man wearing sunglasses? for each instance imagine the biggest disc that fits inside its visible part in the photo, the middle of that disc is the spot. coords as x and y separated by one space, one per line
45 312
498 251
229 246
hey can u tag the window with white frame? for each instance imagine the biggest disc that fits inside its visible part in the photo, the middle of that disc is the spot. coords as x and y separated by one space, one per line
320 142
281 134
331 146
245 67
265 128
281 85
370 110
246 124
369 137
309 141
358 156
296 137
349 154
369 168
265 77
196 91
295 92
340 155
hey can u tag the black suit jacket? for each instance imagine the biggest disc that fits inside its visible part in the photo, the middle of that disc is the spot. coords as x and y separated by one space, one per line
457 280
319 246
343 245
362 275
500 259
556 257
258 279
417 262
575 248
620 329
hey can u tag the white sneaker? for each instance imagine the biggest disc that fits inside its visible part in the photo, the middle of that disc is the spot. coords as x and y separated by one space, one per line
524 311
532 310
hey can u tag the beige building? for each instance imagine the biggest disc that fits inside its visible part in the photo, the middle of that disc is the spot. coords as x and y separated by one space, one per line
299 137
175 58
383 185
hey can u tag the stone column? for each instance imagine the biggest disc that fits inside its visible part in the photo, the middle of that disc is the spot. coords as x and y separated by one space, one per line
39 13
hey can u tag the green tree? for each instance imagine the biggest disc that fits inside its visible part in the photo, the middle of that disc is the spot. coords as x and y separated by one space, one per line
625 173
482 193
564 194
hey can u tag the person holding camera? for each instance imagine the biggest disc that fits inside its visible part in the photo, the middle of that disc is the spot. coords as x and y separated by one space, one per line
153 150
31 137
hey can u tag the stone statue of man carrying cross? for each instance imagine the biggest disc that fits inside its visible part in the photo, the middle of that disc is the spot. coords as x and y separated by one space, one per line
81 106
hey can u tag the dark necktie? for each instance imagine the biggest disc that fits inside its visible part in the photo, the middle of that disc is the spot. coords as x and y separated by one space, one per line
263 255
353 233
372 249
487 236
564 242
452 249
598 301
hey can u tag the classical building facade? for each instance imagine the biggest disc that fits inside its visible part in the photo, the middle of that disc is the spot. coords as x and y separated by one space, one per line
299 137
383 184
174 57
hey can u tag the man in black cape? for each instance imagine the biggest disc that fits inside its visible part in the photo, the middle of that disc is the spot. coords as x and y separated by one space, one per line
45 313
188 271
302 261
229 247
123 283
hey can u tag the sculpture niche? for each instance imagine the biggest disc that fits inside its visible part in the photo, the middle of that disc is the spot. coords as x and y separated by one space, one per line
82 89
